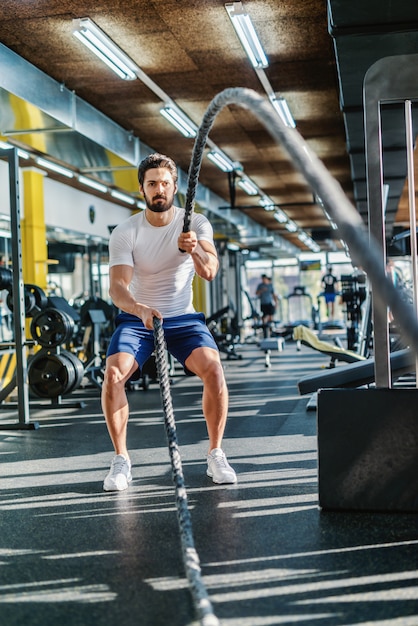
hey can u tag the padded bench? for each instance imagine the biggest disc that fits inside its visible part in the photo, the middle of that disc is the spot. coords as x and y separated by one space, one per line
356 374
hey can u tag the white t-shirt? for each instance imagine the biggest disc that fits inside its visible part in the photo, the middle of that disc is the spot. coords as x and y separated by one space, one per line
163 275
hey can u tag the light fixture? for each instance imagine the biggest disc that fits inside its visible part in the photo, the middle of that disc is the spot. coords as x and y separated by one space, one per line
122 196
5 146
141 205
89 182
59 169
303 237
385 197
282 108
103 47
248 186
221 160
280 216
267 203
245 30
329 218
291 227
308 241
177 118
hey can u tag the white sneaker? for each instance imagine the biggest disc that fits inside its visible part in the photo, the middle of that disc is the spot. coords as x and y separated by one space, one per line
219 469
119 475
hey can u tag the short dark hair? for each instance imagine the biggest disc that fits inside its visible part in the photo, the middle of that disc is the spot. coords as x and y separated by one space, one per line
153 161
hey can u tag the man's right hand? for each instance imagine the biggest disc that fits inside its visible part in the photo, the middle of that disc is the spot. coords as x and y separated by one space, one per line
148 315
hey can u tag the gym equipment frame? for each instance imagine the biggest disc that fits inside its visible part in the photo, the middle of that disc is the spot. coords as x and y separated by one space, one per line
368 438
23 422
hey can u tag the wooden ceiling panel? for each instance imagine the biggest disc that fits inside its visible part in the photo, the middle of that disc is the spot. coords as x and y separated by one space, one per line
190 50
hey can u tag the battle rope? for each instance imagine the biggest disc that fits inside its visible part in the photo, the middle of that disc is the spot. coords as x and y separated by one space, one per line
202 604
364 251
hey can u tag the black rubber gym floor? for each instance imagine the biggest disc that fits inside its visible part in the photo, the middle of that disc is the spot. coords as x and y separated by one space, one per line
73 555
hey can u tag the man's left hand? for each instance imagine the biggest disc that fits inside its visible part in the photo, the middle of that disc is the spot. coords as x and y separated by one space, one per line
187 242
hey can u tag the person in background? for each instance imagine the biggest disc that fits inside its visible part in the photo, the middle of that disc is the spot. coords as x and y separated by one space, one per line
152 265
268 299
330 287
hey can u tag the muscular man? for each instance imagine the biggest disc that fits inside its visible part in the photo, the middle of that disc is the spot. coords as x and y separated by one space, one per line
150 277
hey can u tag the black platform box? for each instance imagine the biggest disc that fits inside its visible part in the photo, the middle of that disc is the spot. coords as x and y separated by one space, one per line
368 449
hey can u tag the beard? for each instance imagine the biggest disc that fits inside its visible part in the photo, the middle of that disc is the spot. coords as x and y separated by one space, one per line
160 203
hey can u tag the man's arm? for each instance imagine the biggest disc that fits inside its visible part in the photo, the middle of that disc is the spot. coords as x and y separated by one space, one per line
203 253
120 277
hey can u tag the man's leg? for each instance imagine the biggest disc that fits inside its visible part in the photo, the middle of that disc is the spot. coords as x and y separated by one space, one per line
206 363
119 368
332 308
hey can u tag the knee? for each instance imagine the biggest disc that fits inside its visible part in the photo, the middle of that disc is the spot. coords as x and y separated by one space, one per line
214 376
113 380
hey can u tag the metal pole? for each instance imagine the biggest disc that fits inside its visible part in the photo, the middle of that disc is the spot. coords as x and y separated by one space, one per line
18 298
412 215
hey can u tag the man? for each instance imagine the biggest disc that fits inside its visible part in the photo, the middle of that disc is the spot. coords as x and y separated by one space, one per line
150 277
329 284
268 299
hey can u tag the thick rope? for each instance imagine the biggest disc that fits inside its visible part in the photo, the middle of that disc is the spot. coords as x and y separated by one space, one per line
202 604
364 251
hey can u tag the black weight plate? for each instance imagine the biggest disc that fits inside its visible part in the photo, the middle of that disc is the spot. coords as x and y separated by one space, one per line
78 368
6 278
50 375
40 300
30 303
51 327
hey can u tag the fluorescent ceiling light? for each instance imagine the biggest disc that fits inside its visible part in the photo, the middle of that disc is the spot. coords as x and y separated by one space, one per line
308 241
302 236
221 160
103 47
23 154
267 203
248 186
178 119
331 221
244 28
385 197
122 196
5 146
280 216
291 227
141 205
283 110
89 182
55 167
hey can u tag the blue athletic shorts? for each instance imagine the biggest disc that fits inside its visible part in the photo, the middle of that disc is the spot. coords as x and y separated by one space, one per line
182 333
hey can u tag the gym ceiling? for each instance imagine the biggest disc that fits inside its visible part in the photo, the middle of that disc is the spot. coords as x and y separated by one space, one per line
318 54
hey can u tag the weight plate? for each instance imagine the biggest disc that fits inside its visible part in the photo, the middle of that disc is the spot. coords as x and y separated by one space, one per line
51 327
29 302
51 375
78 368
39 302
6 278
